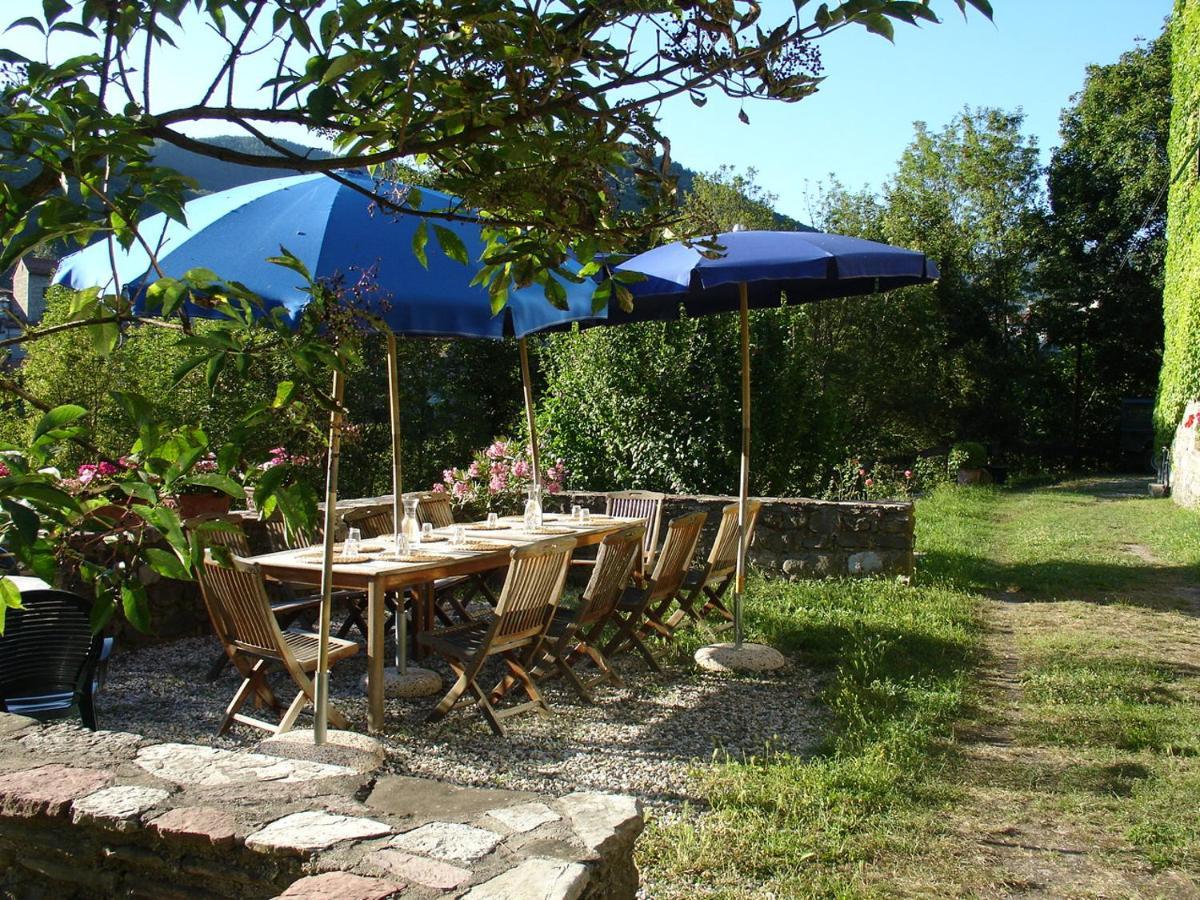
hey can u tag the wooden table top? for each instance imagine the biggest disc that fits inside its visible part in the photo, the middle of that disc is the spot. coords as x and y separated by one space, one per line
303 565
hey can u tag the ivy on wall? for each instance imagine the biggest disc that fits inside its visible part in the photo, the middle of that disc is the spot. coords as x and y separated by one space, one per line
1180 378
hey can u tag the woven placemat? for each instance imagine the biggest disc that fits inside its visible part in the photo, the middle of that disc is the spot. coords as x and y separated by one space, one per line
339 559
416 557
432 538
484 526
482 546
549 529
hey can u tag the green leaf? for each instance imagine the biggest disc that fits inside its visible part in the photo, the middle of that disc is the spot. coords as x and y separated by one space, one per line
26 22
340 66
135 606
284 391
23 518
57 418
219 482
201 277
555 292
10 598
167 564
419 239
289 260
451 244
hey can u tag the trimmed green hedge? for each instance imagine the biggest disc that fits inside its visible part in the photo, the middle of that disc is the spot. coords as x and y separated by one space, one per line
1180 378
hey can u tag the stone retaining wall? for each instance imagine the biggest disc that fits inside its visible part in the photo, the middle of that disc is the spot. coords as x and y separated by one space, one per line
1185 458
106 814
800 538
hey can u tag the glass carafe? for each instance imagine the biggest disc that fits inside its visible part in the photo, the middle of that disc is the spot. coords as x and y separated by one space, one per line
533 508
410 527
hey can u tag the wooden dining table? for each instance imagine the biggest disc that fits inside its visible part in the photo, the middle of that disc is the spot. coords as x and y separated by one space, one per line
379 576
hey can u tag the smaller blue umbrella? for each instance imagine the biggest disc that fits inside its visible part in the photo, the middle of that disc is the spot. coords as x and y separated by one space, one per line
757 270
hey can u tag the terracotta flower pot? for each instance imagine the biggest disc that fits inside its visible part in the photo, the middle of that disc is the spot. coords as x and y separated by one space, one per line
203 505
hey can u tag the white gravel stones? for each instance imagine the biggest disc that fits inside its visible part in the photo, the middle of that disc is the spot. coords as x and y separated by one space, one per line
534 879
600 820
448 841
525 816
727 658
313 830
341 748
209 767
120 808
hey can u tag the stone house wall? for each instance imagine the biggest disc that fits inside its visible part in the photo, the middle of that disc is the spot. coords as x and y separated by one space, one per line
1185 458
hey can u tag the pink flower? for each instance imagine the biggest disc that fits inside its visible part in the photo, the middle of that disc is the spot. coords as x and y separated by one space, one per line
439 488
1189 421
278 452
553 487
497 483
448 476
908 473
208 464
498 450
500 468
461 489
127 462
473 470
870 481
520 468
862 472
86 473
4 473
106 469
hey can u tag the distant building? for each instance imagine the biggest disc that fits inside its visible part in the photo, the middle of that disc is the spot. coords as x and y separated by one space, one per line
23 296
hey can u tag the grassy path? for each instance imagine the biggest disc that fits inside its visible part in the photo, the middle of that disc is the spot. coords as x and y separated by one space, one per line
1022 721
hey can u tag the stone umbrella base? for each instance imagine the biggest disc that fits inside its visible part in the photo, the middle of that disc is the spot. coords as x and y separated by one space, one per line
727 658
415 682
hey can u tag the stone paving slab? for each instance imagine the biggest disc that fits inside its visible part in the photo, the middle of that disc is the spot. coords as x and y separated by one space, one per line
48 790
525 816
210 767
448 841
198 826
534 879
120 807
593 816
427 872
341 886
423 800
314 830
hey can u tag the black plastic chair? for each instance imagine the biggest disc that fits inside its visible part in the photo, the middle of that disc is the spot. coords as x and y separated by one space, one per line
49 658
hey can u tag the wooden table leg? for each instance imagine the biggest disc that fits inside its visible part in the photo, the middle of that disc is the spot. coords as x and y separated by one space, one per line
375 661
422 616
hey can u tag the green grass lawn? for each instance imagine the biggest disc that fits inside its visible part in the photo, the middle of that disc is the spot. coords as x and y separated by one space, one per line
1103 731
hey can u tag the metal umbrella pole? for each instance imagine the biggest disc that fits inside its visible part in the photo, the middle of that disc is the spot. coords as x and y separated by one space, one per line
527 384
739 585
393 363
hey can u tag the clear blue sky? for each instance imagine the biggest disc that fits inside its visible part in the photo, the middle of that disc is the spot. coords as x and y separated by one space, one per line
1033 58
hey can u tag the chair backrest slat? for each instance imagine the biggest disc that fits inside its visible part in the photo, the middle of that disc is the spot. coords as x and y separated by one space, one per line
372 521
434 507
723 555
614 566
239 605
279 538
218 530
532 589
46 645
675 558
647 505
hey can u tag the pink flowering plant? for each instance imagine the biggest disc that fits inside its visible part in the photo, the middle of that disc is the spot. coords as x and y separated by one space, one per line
858 479
498 479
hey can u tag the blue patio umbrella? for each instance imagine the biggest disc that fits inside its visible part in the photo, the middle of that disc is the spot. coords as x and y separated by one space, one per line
756 270
337 232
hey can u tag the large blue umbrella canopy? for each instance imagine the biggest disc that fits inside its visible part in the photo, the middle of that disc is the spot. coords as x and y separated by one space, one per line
804 265
335 231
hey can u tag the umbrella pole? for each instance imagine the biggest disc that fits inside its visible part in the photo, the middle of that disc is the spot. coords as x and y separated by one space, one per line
527 384
321 703
744 482
393 363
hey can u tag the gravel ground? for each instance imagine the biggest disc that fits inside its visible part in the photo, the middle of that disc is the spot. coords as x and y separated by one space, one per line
642 739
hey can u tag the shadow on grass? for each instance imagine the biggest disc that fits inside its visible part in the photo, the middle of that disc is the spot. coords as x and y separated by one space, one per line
1138 583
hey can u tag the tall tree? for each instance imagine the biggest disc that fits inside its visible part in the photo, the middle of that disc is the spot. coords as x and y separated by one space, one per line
1100 273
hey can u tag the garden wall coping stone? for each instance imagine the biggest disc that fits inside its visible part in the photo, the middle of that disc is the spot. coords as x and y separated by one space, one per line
179 820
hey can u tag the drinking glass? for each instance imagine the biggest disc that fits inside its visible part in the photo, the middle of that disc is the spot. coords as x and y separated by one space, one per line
426 531
585 516
576 513
458 537
403 545
493 520
353 539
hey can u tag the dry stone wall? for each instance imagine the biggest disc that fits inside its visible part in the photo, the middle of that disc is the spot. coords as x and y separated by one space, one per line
103 814
800 538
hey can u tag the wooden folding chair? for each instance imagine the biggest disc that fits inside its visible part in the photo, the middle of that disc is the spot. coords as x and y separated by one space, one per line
373 522
225 531
640 610
645 505
237 603
435 508
574 633
515 633
704 590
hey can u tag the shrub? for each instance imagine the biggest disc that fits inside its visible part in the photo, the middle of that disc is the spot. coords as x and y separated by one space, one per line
968 455
498 479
